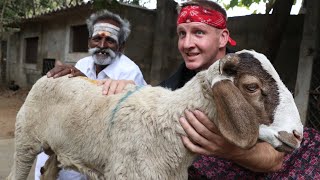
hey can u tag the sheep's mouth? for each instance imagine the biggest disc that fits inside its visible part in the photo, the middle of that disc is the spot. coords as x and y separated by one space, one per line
285 148
289 142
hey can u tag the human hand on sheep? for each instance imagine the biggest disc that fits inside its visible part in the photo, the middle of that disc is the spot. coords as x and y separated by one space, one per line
111 86
61 69
204 138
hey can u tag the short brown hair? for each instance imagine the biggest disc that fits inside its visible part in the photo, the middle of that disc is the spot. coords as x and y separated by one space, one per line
206 4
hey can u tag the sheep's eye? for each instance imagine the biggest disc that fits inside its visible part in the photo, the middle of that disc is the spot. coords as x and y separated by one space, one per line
251 87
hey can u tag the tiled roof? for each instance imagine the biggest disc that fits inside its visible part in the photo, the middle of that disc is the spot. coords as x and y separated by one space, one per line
62 9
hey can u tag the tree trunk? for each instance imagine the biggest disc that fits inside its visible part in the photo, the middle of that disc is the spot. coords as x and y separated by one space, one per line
162 45
276 25
2 62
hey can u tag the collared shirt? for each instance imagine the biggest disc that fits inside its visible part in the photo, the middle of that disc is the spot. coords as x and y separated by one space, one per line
121 68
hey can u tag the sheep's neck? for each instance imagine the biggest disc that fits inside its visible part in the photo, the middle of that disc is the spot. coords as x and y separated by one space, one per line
195 95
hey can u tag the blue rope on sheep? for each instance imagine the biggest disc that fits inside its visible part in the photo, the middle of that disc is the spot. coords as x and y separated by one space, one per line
125 97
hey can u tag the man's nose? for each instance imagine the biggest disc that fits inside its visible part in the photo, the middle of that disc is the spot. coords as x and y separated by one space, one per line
188 42
103 43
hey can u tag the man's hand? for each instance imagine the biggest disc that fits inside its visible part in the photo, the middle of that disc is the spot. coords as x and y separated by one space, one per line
111 86
204 138
61 69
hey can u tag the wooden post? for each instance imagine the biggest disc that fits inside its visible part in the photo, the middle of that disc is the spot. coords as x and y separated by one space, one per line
309 50
162 44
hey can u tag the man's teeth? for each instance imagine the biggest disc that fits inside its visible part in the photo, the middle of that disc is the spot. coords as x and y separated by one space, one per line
192 54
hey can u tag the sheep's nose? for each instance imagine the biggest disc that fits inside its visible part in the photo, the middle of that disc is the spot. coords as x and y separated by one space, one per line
290 141
297 135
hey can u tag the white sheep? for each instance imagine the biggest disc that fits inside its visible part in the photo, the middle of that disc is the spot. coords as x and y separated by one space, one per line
136 134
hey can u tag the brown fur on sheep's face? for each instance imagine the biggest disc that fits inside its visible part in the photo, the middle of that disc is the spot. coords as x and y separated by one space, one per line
249 93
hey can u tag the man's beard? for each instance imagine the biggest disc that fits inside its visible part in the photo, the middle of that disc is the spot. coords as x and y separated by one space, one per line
102 56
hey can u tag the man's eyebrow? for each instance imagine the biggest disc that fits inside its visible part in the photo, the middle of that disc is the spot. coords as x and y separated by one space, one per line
180 28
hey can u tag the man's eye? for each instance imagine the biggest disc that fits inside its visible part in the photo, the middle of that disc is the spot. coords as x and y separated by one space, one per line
96 39
111 41
199 32
181 34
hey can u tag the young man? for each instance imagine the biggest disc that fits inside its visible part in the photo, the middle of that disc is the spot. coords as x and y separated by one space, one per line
107 35
201 27
203 36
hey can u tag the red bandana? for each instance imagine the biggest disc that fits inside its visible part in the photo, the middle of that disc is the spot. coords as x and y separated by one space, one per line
194 13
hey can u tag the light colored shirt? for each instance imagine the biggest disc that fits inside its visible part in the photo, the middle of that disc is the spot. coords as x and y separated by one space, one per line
121 68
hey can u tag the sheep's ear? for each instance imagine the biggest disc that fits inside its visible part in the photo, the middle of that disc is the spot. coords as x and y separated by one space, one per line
236 118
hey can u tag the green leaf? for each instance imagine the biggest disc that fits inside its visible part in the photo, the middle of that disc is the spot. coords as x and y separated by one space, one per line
247 3
233 3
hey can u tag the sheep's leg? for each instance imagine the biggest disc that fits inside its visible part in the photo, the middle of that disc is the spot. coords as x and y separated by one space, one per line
24 157
50 170
26 150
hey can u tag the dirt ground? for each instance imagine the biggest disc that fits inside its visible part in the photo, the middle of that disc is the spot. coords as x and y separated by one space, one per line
10 103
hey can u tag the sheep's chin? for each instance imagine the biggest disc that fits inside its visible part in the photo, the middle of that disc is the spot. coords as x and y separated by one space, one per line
285 148
278 139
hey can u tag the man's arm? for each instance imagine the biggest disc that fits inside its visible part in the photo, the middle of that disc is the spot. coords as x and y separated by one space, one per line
61 69
204 138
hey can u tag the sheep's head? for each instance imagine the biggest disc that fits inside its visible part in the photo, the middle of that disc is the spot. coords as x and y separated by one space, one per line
253 102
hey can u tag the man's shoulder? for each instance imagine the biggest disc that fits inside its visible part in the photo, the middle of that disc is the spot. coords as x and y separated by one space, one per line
84 63
86 59
126 63
125 59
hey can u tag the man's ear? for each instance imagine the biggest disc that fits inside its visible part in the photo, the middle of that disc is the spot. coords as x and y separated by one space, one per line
224 36
121 47
89 42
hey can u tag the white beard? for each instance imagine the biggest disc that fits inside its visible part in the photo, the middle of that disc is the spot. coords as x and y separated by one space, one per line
103 58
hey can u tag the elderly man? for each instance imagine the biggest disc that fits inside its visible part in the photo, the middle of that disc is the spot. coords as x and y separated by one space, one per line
107 35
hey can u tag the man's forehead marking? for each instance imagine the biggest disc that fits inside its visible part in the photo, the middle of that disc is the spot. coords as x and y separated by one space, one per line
104 33
106 30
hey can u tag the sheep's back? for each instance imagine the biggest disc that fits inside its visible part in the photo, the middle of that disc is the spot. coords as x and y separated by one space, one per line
67 114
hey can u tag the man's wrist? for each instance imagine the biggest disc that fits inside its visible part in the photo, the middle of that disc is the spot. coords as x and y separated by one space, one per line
260 158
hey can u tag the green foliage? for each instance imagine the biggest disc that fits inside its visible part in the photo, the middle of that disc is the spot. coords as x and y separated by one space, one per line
136 2
114 4
241 3
27 8
248 3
